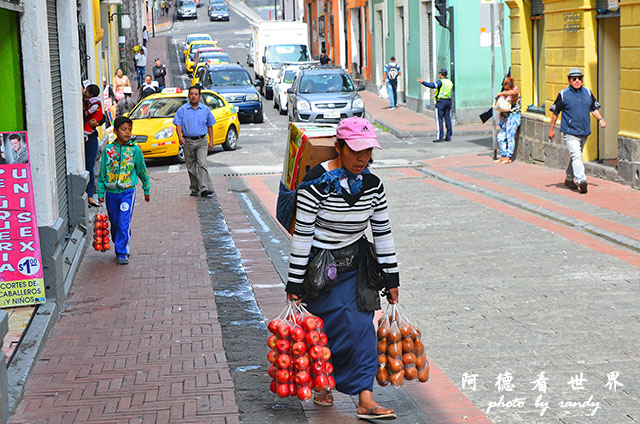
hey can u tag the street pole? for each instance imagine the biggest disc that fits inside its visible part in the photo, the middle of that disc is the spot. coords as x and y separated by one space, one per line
452 63
275 10
501 31
493 83
121 40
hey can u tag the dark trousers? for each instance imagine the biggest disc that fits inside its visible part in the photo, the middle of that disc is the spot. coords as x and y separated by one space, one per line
443 116
393 93
90 152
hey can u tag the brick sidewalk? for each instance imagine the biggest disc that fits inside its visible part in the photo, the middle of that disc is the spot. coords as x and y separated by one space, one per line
139 342
404 123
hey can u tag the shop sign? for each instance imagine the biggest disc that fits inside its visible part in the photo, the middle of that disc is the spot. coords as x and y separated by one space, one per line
21 278
572 21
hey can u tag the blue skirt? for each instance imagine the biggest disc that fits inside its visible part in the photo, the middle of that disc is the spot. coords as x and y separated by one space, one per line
350 333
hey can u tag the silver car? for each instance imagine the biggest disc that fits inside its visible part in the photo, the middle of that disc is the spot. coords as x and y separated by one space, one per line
323 94
187 9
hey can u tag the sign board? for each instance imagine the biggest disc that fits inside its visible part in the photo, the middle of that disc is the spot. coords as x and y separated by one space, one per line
613 5
572 21
21 278
485 23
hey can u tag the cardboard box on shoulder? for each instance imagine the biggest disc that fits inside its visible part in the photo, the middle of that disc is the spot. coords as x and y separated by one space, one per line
308 145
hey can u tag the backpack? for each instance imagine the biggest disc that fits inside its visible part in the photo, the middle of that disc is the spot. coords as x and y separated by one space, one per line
393 72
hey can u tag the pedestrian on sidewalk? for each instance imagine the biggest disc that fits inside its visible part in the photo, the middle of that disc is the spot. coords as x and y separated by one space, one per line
333 213
324 59
193 121
392 71
165 8
444 90
575 103
120 81
121 167
149 87
93 117
509 120
159 72
141 63
145 37
126 104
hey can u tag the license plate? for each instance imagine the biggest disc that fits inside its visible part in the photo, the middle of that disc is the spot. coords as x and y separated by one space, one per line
332 114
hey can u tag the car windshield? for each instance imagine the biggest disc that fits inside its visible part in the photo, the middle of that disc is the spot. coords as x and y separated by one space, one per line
197 38
187 3
218 8
230 77
164 107
287 53
195 47
215 57
288 77
327 83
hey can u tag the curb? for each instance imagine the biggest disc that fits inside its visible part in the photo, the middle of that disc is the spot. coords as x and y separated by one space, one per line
411 134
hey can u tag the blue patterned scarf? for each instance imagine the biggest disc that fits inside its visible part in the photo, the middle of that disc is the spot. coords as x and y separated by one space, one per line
333 178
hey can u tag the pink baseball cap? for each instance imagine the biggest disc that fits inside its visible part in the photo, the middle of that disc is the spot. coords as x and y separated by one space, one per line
357 133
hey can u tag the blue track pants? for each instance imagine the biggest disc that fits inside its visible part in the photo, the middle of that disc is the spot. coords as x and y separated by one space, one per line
120 209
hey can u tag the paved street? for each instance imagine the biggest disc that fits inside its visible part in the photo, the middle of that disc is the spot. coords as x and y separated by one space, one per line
527 293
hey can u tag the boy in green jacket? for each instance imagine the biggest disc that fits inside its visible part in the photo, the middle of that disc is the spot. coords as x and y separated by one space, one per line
121 166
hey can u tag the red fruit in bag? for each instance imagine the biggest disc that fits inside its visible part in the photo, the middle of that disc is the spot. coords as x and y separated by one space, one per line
302 363
297 334
98 247
282 376
317 367
302 378
271 356
99 224
319 323
304 393
312 337
273 325
323 339
332 382
271 341
309 323
316 352
328 368
283 390
321 382
272 371
283 330
105 239
283 361
326 353
273 386
106 246
297 319
98 240
283 345
299 348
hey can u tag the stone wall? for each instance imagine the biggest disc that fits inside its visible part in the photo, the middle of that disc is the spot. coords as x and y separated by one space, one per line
629 160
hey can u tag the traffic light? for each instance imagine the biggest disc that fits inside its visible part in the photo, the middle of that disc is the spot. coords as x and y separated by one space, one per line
441 17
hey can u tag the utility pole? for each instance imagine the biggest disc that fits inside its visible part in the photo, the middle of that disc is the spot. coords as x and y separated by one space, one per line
121 40
493 80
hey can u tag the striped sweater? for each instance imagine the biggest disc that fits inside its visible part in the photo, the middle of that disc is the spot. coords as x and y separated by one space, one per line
333 221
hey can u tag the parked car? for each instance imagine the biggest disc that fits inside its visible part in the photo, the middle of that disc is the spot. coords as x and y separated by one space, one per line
187 9
282 83
235 85
218 12
153 123
323 94
191 38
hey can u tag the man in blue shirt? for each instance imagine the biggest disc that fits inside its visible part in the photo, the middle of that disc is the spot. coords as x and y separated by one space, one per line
193 121
444 90
575 102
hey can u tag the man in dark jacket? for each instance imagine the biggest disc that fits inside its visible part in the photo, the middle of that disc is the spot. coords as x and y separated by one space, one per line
575 102
159 72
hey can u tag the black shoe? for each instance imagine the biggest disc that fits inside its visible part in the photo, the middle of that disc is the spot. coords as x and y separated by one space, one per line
570 184
193 193
206 193
582 187
123 261
447 139
437 141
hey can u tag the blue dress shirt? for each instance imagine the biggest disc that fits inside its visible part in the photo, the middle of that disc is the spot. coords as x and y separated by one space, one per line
194 122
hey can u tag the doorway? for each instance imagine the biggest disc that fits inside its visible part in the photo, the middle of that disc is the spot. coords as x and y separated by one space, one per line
609 87
378 28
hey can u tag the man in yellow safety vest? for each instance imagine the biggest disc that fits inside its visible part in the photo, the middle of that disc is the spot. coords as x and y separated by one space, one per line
444 89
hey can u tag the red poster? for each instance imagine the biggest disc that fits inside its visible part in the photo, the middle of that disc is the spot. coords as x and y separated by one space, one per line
21 280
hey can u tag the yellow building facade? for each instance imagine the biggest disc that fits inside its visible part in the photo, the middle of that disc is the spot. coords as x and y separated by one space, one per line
602 37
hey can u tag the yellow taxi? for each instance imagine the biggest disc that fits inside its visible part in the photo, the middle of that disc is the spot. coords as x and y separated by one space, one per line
191 52
190 38
156 134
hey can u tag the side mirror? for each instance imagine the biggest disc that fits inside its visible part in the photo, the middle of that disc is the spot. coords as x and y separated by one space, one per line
264 59
290 91
257 83
361 88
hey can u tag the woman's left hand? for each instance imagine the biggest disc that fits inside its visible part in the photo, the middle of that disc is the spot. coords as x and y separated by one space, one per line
392 297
